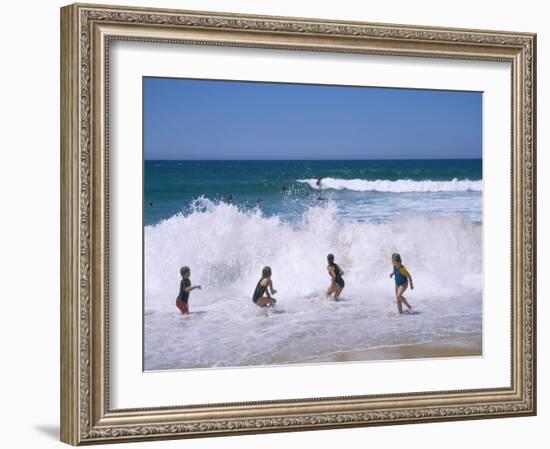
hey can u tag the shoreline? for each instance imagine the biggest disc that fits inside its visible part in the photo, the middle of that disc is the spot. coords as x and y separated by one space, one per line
465 347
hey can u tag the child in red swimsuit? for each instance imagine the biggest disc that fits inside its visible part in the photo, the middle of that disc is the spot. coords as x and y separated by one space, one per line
185 288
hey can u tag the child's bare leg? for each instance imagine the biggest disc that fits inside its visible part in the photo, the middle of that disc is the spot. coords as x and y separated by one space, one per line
183 307
406 303
265 302
331 290
337 292
400 299
399 306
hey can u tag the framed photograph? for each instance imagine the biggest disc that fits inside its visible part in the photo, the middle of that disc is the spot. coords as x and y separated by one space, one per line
279 224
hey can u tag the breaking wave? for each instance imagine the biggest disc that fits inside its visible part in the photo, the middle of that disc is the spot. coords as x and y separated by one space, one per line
397 186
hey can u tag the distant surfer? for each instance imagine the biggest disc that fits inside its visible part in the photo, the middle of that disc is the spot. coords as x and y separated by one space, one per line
182 301
337 281
264 289
319 186
402 279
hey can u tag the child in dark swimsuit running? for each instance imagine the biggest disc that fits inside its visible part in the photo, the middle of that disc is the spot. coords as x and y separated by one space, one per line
264 289
337 281
402 279
185 288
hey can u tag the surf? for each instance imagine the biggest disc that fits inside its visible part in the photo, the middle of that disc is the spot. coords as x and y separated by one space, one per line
227 246
396 186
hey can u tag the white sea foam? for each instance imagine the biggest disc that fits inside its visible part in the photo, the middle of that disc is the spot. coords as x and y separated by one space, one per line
397 186
226 248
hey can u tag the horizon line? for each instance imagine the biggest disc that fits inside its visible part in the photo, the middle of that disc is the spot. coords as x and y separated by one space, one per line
323 160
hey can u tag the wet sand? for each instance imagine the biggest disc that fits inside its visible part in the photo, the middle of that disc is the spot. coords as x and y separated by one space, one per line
468 347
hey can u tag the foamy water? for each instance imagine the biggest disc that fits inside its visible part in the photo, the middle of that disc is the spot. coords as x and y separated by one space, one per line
397 186
227 246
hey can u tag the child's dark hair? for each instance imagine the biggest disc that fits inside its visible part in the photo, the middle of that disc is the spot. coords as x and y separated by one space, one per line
185 270
266 272
396 257
330 258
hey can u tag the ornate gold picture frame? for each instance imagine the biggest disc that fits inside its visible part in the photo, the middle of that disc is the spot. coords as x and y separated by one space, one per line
87 32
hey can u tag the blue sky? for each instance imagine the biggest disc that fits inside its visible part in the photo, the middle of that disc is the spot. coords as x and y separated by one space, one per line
202 120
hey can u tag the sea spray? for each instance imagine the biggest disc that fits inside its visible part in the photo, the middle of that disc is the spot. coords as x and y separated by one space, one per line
227 247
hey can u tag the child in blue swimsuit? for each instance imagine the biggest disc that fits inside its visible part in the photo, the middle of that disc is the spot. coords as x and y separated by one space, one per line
402 279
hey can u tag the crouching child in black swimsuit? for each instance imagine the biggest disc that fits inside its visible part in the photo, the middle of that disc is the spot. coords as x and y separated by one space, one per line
185 288
264 289
336 273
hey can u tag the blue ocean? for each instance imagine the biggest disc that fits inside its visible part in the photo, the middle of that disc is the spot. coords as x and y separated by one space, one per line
364 190
228 219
